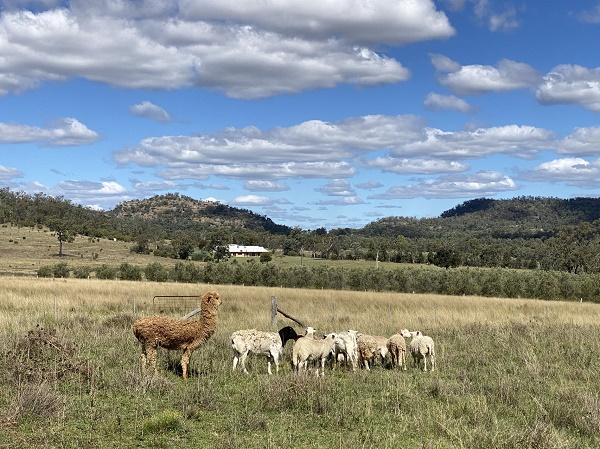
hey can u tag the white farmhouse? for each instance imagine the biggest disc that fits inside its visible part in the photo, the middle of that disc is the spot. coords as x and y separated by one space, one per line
246 251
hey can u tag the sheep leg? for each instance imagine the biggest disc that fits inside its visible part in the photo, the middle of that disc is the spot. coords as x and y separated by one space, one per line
404 360
235 361
432 361
143 361
243 361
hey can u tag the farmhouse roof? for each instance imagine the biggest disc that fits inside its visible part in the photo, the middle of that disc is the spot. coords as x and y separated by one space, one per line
247 249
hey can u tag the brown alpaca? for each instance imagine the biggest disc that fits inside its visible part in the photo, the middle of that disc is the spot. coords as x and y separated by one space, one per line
173 333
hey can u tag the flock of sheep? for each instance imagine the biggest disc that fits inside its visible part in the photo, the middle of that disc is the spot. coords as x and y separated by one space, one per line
350 347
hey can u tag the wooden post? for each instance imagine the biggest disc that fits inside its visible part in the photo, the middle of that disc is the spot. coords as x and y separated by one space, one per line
273 309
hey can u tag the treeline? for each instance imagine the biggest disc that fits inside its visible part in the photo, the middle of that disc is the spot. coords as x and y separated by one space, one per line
547 234
509 283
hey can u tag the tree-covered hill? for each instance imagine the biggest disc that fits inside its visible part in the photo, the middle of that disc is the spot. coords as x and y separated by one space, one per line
520 217
174 211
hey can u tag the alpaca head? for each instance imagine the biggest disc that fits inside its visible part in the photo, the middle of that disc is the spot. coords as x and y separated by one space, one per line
211 299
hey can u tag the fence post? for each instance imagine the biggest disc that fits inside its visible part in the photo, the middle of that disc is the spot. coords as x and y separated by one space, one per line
273 309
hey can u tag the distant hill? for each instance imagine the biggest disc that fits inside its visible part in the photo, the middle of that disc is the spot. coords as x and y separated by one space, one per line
177 211
520 217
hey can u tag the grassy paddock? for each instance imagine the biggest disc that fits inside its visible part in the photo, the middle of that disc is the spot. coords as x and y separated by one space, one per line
510 373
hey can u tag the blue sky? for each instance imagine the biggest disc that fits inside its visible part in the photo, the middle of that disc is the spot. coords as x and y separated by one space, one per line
321 113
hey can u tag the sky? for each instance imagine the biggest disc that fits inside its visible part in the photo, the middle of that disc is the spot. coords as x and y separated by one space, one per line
314 113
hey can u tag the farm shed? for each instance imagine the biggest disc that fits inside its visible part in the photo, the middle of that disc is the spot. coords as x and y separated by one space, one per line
246 251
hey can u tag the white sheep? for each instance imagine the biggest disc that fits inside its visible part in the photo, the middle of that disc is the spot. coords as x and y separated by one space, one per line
367 348
269 344
346 348
307 349
310 332
383 350
421 347
396 346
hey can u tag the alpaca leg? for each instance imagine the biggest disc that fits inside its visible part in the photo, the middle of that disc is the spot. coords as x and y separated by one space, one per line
151 354
185 360
143 361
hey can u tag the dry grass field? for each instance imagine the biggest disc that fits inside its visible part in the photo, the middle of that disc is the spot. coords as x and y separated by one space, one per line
510 373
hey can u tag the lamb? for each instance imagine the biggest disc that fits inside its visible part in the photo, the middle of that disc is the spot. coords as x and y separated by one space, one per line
367 348
396 346
383 350
306 349
310 332
172 333
422 346
346 348
269 344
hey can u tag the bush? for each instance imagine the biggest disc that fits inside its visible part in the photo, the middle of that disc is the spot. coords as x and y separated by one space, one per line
106 272
128 272
61 270
45 271
82 272
156 272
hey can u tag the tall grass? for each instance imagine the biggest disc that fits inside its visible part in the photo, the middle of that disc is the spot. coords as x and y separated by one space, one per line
510 373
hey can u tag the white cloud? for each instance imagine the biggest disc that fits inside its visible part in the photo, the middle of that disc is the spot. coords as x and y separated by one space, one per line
520 141
337 187
415 166
437 102
582 141
251 200
153 186
63 132
243 49
265 186
8 173
482 183
571 84
282 149
367 21
574 171
479 79
149 110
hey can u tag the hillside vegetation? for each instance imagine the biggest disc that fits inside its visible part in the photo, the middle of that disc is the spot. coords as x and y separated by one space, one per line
521 233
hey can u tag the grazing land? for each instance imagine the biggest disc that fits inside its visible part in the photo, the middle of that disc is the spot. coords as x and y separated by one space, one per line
510 373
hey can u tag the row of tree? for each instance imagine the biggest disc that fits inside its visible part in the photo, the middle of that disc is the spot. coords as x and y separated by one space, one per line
550 285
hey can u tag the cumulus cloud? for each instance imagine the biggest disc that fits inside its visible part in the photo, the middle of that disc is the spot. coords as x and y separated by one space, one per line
251 200
574 171
415 166
520 141
480 79
149 110
582 141
243 49
63 132
482 183
9 173
437 102
265 186
308 149
337 187
571 84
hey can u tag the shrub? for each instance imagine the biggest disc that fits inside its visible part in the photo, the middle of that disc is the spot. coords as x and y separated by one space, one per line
45 271
130 272
82 272
106 272
61 270
156 272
